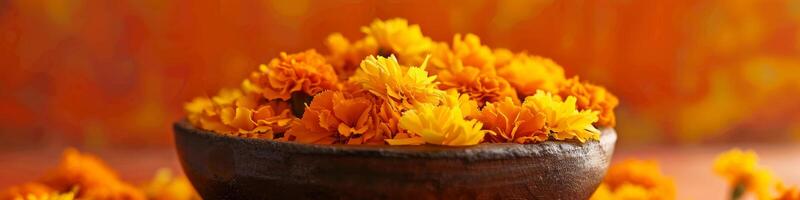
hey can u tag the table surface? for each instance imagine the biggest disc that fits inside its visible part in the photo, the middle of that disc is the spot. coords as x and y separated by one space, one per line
689 165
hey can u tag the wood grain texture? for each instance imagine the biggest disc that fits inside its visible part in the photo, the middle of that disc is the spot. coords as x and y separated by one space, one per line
225 167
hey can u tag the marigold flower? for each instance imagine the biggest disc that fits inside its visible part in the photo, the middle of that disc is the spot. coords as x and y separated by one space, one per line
531 73
592 97
740 168
481 86
401 87
47 196
94 179
469 108
442 125
792 193
562 119
466 51
397 37
305 72
512 122
165 186
635 179
334 118
232 112
503 57
22 191
346 56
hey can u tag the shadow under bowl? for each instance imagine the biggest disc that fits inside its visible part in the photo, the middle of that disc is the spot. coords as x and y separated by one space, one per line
228 167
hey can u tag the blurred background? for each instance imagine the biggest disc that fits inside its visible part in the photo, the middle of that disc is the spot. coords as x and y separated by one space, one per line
105 75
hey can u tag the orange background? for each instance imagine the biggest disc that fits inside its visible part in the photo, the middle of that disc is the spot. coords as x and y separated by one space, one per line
102 73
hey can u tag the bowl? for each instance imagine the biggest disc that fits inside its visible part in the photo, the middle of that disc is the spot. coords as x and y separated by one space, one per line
228 167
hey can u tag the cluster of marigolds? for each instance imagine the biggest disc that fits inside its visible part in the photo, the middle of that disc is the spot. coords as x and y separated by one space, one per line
85 176
396 86
643 180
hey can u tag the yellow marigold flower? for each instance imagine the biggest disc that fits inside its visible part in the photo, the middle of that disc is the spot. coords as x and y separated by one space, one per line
562 119
740 168
346 56
334 118
602 193
592 97
481 86
305 72
94 179
531 73
511 122
236 113
397 37
165 186
469 107
401 87
441 125
636 179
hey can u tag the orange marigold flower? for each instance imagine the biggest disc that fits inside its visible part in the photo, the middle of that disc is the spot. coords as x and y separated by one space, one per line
471 53
562 119
466 51
441 125
232 112
400 86
165 186
481 86
511 122
397 37
531 73
503 57
305 72
94 179
592 97
636 179
792 193
333 118
23 190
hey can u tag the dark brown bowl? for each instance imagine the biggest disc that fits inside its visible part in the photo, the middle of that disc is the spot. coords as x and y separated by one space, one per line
226 167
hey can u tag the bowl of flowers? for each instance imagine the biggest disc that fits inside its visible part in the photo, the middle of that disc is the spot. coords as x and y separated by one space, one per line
396 115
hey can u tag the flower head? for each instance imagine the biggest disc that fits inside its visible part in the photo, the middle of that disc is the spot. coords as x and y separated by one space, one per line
237 113
592 97
482 86
635 179
441 125
512 122
531 73
401 87
333 118
95 179
165 186
345 56
397 37
741 168
305 72
792 193
562 119
466 51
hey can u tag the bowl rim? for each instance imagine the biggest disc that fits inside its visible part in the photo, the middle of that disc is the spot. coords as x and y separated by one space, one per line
475 152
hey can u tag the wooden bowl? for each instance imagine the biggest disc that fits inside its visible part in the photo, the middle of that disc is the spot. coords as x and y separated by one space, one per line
226 167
